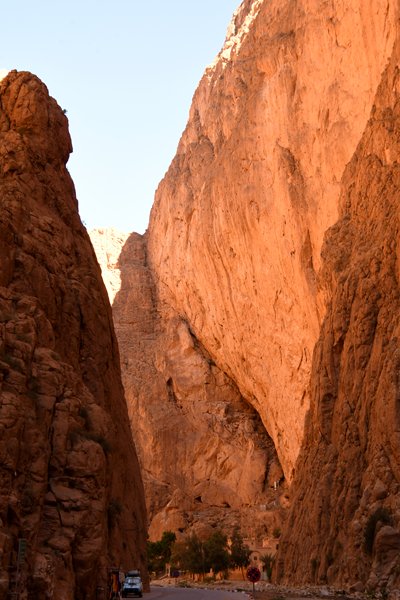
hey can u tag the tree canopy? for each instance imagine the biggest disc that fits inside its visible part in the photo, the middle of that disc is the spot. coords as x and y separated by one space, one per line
240 552
268 562
159 553
189 555
216 551
198 557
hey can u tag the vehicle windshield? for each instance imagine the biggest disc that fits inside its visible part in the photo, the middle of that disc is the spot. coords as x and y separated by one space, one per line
132 580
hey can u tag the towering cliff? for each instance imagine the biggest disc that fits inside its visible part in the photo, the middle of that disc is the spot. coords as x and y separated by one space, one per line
70 480
346 521
206 458
237 224
234 245
292 138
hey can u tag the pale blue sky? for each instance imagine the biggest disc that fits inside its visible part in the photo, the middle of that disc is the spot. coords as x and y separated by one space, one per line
125 71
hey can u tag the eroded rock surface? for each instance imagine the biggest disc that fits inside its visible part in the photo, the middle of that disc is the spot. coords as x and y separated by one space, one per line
234 253
206 458
69 476
237 225
345 523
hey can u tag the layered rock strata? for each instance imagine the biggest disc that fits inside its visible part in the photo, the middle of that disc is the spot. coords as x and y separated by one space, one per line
345 523
69 476
237 224
206 458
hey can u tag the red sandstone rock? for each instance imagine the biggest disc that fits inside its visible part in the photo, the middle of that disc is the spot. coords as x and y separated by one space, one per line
69 477
238 221
345 522
234 244
206 458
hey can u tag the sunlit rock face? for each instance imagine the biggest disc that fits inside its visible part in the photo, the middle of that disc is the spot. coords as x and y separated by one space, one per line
69 476
238 221
107 244
292 138
206 458
345 522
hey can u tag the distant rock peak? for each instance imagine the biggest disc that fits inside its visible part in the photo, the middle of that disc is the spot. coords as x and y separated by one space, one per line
108 243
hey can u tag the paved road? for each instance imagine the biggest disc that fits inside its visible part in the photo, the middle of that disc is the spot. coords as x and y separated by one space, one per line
175 593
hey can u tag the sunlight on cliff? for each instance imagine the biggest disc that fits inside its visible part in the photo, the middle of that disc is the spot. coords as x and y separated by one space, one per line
238 28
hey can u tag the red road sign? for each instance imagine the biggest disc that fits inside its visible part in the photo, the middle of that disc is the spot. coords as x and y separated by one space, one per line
253 574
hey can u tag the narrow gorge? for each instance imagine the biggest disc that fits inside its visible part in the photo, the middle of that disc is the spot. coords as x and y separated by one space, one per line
269 264
255 365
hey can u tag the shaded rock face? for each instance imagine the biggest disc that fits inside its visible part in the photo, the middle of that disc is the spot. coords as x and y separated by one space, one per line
69 476
206 458
345 523
237 225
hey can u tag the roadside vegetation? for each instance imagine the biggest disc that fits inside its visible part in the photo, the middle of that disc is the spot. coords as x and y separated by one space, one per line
198 557
159 553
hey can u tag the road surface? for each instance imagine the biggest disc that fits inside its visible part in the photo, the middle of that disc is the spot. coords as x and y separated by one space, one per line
178 593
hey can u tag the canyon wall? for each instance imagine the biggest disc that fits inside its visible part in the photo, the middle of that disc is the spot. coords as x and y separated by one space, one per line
234 246
227 305
206 458
71 496
345 522
237 225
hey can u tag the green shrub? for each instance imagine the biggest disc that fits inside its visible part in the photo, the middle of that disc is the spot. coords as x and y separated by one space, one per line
268 562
